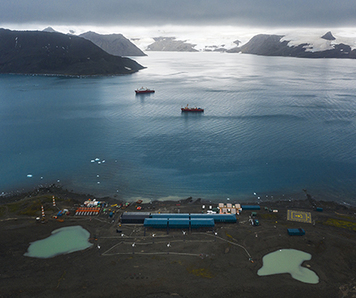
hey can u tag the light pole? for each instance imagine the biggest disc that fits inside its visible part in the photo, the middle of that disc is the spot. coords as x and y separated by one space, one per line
168 245
184 233
133 248
153 238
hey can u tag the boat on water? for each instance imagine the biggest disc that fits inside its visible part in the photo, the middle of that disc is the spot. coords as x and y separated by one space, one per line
188 109
144 90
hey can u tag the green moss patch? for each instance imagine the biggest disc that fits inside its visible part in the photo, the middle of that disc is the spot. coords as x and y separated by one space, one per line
339 223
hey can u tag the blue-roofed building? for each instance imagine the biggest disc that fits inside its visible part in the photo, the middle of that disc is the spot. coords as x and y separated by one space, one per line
250 207
296 232
186 220
158 223
197 223
169 215
178 223
228 218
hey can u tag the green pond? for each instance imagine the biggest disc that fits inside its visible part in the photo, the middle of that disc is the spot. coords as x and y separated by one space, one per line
288 261
62 241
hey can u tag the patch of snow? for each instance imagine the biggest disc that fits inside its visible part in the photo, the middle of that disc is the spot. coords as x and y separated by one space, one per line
316 43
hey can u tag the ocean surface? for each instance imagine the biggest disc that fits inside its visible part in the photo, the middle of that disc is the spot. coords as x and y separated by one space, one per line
272 126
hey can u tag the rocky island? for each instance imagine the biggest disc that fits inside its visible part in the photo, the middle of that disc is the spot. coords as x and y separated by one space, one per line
53 53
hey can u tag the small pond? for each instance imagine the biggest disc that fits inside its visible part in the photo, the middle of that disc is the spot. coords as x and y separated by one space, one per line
62 241
288 261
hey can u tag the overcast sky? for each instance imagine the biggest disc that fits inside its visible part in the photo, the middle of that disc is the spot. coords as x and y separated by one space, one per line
253 13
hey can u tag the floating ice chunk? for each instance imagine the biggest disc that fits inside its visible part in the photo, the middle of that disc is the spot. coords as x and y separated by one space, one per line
98 182
254 193
97 159
97 175
29 175
92 160
99 162
103 160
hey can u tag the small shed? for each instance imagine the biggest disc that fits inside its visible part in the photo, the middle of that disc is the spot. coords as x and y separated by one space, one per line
296 232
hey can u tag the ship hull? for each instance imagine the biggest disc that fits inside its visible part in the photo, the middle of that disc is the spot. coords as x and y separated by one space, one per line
144 91
184 110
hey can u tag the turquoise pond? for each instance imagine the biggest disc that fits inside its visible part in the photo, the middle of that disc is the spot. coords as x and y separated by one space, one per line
62 241
288 261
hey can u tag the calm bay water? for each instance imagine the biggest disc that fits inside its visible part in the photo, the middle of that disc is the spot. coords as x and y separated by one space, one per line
271 125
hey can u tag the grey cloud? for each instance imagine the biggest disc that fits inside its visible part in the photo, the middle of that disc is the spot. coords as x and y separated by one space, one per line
285 13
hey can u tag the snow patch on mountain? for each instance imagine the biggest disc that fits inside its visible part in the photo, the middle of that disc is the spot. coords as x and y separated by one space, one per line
314 41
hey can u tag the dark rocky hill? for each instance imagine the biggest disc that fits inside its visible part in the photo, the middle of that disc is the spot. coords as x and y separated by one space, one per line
273 45
38 52
114 44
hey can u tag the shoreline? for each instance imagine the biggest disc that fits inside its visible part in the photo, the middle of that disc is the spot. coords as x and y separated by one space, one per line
256 198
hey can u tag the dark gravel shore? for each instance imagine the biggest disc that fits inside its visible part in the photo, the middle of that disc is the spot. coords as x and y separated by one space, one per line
198 264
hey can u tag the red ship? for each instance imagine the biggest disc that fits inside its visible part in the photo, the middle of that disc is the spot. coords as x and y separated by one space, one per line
187 109
143 90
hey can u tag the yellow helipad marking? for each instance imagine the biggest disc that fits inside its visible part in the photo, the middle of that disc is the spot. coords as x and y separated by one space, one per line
300 216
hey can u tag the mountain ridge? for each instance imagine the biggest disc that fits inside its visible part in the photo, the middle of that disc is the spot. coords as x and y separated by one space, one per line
279 45
54 53
114 44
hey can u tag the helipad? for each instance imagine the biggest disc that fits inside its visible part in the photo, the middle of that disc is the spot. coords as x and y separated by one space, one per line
300 216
